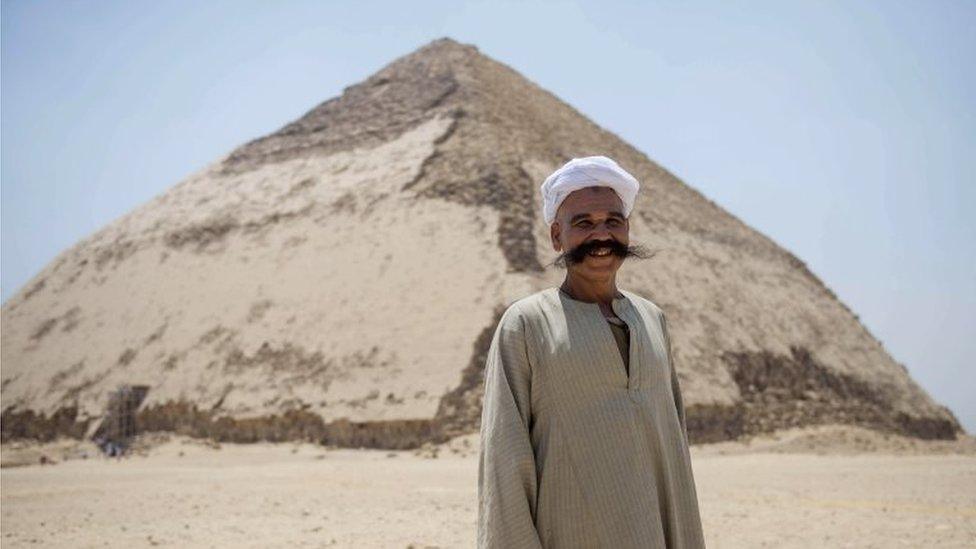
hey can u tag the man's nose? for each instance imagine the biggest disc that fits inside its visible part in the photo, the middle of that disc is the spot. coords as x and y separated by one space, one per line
601 232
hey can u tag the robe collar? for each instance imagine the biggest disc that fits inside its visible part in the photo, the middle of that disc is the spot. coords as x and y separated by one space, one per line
618 304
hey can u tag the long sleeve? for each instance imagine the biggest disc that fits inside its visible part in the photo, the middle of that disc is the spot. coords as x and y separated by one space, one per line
675 386
507 481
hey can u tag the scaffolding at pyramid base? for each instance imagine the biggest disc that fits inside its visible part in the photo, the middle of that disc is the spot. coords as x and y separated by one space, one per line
115 432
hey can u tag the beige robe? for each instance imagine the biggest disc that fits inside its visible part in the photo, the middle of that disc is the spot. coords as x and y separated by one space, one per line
575 450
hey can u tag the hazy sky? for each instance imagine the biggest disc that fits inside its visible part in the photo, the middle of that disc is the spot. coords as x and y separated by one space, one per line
845 131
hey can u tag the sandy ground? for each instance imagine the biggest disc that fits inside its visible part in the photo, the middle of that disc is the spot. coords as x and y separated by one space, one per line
825 487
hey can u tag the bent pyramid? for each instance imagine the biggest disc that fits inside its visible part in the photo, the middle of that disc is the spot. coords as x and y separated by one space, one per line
341 278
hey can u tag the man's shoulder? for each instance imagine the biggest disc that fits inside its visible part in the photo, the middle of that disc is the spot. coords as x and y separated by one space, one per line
530 305
640 301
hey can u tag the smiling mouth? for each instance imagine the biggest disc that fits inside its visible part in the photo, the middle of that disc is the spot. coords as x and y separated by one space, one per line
601 252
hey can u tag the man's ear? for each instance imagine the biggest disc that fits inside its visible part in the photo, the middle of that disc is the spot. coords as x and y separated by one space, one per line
554 235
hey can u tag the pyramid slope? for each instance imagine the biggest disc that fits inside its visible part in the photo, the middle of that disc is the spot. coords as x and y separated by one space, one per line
345 273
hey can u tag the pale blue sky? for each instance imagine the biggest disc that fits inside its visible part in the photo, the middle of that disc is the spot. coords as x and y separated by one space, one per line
843 130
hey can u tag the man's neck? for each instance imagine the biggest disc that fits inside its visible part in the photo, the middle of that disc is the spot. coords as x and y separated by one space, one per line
591 291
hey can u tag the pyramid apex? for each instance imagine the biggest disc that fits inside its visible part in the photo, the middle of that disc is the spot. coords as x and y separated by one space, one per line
447 43
443 50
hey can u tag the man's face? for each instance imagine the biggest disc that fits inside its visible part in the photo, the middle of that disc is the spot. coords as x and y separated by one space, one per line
591 214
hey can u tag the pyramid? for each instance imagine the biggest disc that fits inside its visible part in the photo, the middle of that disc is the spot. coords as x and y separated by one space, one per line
340 280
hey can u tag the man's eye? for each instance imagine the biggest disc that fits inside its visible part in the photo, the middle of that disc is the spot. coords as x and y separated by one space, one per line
583 224
613 222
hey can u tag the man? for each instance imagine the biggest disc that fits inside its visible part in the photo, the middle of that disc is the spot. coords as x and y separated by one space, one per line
583 437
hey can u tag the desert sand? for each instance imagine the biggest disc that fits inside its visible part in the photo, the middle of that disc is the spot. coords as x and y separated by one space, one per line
815 487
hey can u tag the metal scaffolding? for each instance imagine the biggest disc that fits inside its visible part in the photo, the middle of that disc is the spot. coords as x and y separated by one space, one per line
119 425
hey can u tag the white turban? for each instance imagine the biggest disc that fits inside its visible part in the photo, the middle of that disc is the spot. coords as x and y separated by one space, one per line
592 171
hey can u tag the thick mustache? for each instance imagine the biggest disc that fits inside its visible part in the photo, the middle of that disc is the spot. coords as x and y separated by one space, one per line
578 253
619 249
